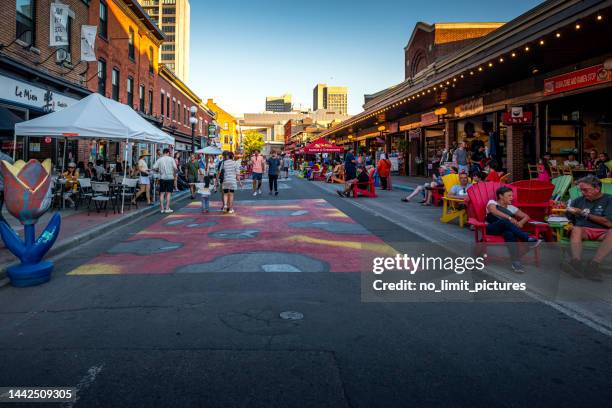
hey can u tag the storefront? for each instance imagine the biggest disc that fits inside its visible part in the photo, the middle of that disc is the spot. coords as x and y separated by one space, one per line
22 100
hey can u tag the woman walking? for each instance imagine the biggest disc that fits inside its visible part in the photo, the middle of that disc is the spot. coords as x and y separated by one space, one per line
230 173
384 171
144 181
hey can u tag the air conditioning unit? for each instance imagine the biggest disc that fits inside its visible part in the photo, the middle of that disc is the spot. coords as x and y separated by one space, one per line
62 56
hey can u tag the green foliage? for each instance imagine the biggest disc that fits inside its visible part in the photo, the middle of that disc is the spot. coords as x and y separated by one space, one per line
252 140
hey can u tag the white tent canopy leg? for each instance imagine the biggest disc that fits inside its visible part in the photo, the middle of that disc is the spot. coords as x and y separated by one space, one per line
124 174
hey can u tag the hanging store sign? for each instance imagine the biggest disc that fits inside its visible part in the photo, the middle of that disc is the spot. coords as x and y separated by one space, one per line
14 90
180 146
58 34
471 108
414 134
88 42
517 116
429 118
582 78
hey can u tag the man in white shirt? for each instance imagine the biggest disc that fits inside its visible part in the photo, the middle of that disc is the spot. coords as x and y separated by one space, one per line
167 171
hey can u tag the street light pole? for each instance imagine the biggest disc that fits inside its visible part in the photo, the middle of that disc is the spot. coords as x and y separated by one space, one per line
193 120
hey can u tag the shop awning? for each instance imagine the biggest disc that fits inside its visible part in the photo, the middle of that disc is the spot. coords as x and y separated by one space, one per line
321 145
8 120
95 117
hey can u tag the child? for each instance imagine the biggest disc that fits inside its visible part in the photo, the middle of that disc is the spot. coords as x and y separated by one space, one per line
204 192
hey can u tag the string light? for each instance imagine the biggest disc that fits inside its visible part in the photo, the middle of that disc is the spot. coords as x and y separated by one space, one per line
541 42
527 49
599 17
471 72
578 26
461 75
501 59
490 64
454 79
479 68
558 35
513 54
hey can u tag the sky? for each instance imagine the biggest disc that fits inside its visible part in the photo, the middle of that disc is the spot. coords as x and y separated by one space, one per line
243 51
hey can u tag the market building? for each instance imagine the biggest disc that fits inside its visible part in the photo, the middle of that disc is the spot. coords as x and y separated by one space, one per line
35 77
228 127
536 84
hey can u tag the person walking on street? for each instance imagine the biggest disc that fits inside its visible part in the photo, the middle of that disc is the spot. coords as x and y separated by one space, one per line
144 182
461 158
204 192
274 164
350 166
286 165
257 162
230 171
193 172
167 175
177 162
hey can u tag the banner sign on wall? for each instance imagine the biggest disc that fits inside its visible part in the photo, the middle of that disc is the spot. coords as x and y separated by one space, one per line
88 42
470 108
58 35
582 78
24 93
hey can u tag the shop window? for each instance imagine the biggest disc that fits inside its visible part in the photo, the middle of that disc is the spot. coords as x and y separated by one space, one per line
150 102
130 92
141 98
151 56
168 107
115 83
103 23
102 76
162 103
131 44
26 21
174 109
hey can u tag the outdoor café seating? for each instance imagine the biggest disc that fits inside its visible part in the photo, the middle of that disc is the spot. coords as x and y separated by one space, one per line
102 197
452 208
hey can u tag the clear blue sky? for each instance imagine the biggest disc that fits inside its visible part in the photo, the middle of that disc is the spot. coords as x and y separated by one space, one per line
242 51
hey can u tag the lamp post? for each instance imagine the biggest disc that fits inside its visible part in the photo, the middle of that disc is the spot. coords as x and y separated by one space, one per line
193 120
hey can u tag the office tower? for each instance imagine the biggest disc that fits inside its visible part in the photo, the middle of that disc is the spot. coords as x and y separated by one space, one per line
173 17
279 103
331 98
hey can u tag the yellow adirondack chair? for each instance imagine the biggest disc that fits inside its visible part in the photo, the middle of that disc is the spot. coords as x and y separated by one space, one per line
451 206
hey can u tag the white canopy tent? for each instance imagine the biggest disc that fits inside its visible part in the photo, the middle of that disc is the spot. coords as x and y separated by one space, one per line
94 117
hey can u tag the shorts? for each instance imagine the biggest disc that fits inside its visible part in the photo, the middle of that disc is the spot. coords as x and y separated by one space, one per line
166 186
595 234
285 168
257 176
227 190
144 180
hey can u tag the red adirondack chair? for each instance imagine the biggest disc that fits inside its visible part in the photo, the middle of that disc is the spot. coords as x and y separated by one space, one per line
533 197
320 175
478 197
365 189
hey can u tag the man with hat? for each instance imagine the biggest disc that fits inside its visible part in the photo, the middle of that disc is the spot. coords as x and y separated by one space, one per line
144 181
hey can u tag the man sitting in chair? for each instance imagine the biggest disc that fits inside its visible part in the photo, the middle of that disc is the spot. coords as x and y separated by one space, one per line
591 215
362 178
460 190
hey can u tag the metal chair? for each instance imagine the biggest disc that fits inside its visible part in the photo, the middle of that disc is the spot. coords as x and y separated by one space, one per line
85 192
127 192
102 196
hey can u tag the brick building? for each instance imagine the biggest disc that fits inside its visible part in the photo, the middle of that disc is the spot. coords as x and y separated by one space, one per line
35 78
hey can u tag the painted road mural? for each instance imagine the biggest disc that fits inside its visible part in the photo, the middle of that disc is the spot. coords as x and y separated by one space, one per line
262 236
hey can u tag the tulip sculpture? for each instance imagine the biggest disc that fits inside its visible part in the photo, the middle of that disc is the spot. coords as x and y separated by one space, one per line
27 194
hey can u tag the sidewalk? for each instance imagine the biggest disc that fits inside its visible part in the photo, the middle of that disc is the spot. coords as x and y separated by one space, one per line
76 228
425 222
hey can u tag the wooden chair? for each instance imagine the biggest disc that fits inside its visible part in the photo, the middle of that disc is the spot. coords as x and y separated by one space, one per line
505 178
366 189
452 207
554 171
478 197
533 171
320 175
562 185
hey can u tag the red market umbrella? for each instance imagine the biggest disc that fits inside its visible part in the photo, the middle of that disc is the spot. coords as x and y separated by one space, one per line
322 146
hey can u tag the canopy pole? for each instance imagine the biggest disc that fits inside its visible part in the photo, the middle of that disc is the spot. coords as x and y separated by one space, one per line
64 155
124 173
14 145
151 178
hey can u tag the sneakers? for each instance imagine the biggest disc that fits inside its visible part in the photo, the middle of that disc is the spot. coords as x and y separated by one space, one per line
534 243
276 193
231 211
340 193
255 194
518 267
592 271
169 210
259 191
573 268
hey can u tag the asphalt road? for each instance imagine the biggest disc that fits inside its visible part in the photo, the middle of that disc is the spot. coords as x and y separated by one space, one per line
159 337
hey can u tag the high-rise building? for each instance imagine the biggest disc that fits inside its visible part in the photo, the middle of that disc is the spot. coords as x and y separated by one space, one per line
279 103
332 98
173 17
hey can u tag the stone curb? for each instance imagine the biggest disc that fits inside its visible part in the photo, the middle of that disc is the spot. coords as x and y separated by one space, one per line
69 243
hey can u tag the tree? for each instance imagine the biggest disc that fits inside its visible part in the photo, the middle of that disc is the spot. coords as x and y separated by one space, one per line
252 140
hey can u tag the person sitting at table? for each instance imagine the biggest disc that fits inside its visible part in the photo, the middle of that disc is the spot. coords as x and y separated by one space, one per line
362 178
590 161
591 216
100 170
90 171
543 170
71 175
335 172
427 188
571 162
506 220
